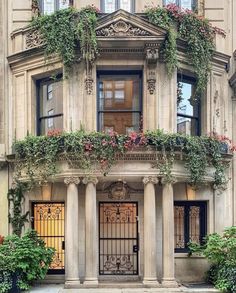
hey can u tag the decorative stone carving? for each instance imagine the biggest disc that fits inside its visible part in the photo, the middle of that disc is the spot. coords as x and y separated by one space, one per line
151 84
119 191
152 55
71 179
89 85
87 180
33 39
150 179
121 29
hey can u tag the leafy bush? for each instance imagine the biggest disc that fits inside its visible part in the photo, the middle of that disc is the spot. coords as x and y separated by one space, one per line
27 258
221 252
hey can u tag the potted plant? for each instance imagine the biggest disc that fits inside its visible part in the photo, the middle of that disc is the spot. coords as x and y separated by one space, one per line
22 261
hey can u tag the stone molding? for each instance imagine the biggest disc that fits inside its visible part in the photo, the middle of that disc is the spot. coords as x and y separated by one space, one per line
121 28
150 179
71 180
87 180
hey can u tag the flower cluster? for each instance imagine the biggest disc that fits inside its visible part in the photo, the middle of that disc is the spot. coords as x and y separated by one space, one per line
54 132
224 139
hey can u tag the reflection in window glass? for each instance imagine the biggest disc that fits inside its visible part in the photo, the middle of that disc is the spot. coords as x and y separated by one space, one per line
51 109
63 4
126 5
110 6
187 110
48 6
122 110
170 2
186 4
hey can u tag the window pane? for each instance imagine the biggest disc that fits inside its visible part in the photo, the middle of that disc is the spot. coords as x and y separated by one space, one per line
123 123
194 224
49 124
109 6
126 5
51 103
63 4
170 2
188 126
179 227
186 4
48 6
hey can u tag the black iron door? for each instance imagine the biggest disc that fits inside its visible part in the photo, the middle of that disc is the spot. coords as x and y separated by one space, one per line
48 221
118 238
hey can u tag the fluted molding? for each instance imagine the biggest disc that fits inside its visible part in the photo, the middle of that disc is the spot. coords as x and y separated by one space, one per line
150 179
72 179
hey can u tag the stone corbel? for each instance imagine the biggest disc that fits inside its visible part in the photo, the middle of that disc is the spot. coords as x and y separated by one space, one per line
152 55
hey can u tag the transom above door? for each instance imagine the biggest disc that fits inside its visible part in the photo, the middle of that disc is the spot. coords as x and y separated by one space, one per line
119 102
118 238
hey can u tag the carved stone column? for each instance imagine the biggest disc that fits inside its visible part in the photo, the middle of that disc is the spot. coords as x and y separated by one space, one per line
91 250
168 279
72 233
150 274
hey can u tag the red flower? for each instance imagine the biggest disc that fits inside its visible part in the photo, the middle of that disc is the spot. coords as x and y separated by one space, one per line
54 132
1 239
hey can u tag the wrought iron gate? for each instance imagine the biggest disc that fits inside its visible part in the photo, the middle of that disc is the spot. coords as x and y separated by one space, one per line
48 221
118 238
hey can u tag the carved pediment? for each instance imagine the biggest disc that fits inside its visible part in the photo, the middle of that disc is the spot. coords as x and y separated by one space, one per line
124 24
122 29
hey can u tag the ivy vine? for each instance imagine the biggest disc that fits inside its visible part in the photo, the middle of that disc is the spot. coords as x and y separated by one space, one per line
64 30
198 33
36 156
17 218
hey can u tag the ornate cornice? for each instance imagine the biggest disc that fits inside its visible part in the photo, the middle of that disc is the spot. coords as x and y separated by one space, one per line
121 28
71 180
150 179
87 180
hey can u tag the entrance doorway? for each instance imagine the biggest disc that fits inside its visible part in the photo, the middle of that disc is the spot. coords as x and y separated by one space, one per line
118 238
49 221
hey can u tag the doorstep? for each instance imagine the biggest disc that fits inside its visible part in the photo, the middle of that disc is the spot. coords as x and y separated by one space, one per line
121 288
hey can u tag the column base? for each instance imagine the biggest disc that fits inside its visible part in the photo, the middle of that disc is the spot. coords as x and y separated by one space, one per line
72 283
90 282
169 283
151 282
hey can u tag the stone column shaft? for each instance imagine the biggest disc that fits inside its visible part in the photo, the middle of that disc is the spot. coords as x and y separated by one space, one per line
150 274
72 233
168 279
91 251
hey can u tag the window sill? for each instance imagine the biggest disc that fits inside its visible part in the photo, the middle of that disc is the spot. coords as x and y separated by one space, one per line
185 255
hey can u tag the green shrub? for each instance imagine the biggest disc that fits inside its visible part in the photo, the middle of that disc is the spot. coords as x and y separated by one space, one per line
221 252
26 257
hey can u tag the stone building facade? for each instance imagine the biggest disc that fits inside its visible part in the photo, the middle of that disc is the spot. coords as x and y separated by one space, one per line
141 247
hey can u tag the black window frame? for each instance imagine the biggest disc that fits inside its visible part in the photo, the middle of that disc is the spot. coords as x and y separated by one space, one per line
190 80
38 97
119 73
117 6
178 3
202 218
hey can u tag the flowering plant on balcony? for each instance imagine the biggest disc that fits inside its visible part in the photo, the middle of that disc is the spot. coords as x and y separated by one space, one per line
96 151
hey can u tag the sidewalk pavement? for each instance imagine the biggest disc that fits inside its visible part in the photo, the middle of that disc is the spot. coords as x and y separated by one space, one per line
59 288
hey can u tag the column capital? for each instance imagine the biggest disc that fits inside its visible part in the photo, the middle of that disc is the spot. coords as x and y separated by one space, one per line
173 180
71 179
150 179
87 180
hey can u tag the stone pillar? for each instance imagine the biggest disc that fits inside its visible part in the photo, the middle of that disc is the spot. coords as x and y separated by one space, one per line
91 242
72 233
168 279
150 274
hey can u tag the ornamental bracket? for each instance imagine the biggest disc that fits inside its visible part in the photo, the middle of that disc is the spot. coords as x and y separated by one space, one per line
152 56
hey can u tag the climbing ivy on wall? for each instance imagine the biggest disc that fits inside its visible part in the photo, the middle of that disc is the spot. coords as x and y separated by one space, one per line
65 29
195 30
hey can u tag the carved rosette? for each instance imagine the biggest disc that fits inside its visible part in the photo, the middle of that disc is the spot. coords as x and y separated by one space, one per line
89 85
33 39
72 180
87 180
119 191
151 85
150 179
121 29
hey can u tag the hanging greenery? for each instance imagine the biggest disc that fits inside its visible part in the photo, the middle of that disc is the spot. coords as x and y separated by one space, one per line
65 29
198 33
36 156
